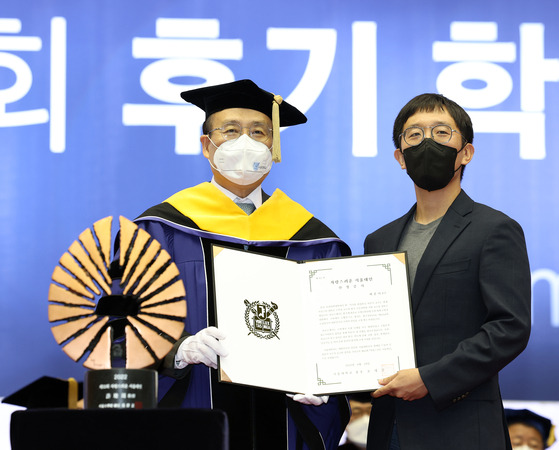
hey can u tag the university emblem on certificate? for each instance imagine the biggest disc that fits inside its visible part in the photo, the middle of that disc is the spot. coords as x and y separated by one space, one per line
262 319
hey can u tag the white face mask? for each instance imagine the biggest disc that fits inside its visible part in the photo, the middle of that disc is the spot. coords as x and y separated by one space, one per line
357 431
243 160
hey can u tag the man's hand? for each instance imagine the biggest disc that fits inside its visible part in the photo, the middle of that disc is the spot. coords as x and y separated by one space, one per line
309 399
405 384
204 347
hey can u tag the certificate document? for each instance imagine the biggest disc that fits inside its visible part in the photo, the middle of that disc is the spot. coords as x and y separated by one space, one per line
314 327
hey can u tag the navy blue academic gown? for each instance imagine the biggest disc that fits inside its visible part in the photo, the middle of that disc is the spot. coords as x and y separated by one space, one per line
186 224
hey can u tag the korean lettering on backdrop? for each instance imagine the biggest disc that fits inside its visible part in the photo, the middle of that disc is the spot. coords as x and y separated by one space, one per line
11 41
479 60
197 41
192 46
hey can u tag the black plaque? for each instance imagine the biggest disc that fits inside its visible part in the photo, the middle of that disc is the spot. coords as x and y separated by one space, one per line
120 389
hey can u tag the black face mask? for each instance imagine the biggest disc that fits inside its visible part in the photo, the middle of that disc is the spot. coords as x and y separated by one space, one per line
430 165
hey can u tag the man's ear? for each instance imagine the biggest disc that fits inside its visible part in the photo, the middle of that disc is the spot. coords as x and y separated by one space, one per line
205 141
399 156
468 153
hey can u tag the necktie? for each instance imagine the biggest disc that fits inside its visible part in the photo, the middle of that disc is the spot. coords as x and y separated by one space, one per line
248 208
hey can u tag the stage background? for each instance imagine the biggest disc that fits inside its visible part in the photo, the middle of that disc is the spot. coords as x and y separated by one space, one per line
91 125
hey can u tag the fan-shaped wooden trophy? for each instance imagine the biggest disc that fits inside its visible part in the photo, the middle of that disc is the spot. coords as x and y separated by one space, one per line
120 317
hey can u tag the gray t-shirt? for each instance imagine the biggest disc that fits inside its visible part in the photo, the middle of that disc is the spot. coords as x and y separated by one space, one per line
414 240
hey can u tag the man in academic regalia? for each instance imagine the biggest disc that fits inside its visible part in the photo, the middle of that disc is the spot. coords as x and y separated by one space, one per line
240 140
528 430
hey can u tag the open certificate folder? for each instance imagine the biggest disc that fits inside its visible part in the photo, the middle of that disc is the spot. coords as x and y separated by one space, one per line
313 327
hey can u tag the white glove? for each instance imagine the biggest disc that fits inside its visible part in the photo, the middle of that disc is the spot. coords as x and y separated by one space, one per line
309 399
204 347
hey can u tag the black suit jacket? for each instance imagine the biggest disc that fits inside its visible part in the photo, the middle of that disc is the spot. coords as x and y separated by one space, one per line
471 310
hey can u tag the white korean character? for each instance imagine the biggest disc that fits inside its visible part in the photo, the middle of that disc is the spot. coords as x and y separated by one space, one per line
474 45
321 45
183 48
10 41
364 89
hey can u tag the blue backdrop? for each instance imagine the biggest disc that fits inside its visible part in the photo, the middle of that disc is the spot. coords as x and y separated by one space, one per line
91 125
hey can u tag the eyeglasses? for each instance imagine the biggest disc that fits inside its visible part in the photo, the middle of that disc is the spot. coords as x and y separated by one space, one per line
232 130
439 133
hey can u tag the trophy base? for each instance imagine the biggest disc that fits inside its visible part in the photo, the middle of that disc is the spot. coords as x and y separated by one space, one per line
120 389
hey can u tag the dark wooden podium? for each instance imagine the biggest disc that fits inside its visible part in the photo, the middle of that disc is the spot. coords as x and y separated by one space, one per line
119 429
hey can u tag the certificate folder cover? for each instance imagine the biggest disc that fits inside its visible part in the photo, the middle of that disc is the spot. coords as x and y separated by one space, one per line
315 327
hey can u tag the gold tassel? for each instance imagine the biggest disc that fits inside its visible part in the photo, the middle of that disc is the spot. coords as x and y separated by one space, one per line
72 393
276 149
551 437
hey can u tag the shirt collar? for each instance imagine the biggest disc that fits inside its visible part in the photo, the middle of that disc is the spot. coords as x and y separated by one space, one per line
255 196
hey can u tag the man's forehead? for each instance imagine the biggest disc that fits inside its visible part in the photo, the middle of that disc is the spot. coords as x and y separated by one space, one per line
430 118
240 115
519 428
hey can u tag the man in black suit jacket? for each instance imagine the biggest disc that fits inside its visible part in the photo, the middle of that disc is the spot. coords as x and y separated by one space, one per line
471 292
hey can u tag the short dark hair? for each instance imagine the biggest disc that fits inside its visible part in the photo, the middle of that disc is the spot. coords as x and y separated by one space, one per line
432 102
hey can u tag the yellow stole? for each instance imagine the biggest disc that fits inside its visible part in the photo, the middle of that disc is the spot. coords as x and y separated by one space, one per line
278 219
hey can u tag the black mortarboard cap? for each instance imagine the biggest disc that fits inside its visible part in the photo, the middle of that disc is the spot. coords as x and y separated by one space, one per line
527 417
47 392
242 94
246 94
